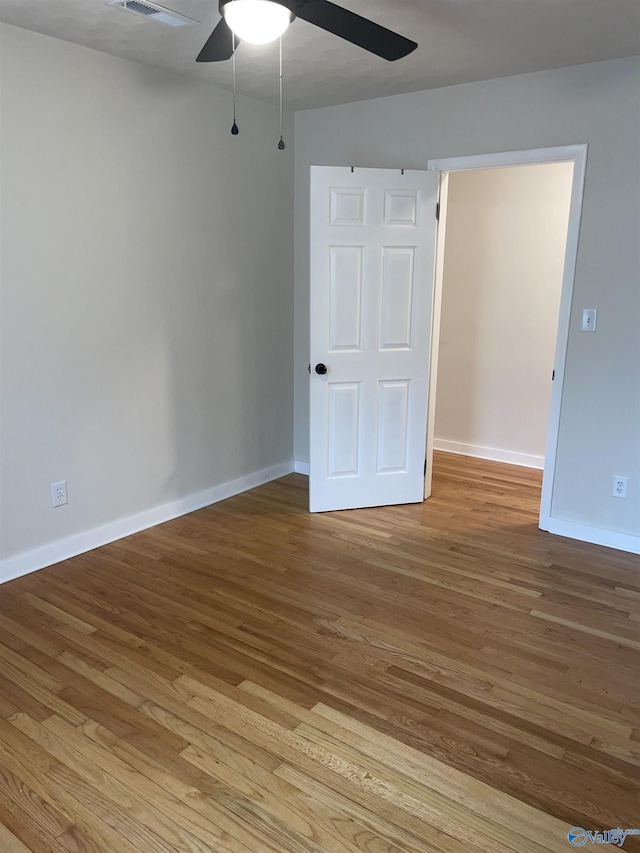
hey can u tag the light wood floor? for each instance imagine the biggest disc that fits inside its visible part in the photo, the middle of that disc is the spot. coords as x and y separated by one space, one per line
437 677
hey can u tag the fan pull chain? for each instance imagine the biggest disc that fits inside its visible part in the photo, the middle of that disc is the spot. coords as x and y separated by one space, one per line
281 145
234 129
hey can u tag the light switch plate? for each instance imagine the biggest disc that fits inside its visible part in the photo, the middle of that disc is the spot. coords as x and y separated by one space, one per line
589 318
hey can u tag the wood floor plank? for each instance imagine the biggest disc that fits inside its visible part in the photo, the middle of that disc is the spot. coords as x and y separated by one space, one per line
10 844
389 753
250 678
26 810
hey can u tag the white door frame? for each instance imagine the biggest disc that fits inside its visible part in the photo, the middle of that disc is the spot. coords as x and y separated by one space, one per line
576 154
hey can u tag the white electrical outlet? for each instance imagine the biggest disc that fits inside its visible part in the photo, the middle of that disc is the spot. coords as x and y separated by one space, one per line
59 493
620 486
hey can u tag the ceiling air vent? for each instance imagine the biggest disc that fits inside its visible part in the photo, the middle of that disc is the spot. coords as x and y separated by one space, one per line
153 12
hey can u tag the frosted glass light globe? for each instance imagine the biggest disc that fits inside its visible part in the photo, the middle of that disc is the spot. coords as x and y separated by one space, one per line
256 21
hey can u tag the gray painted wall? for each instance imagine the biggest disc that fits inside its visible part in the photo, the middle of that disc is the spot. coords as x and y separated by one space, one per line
147 288
598 104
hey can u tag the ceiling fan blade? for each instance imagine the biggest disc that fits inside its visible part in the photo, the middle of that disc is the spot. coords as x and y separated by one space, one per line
219 45
356 29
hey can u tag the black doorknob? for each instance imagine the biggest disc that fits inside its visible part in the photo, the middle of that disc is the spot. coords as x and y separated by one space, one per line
321 369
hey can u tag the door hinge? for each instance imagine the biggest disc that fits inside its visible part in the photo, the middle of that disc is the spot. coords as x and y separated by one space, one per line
425 468
438 212
553 375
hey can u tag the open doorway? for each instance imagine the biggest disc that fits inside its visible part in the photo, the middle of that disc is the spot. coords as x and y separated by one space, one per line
503 261
504 276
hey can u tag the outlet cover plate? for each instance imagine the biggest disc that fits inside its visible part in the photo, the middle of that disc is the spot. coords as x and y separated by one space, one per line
620 486
59 493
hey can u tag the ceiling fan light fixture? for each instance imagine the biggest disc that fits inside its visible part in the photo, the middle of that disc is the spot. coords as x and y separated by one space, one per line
256 21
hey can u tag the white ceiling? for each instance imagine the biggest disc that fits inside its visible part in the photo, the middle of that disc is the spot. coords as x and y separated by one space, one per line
459 41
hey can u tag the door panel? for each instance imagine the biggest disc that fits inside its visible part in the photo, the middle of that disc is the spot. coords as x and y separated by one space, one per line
398 282
344 429
345 294
393 426
372 251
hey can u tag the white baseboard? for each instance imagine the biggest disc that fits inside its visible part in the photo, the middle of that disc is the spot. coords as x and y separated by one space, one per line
493 454
594 535
63 549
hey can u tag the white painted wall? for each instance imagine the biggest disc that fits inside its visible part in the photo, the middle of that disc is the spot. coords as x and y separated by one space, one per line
146 274
503 261
597 104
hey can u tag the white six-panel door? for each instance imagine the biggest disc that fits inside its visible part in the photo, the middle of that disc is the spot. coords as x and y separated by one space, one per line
372 258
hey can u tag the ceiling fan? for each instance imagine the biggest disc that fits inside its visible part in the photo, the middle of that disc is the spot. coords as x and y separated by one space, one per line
261 21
